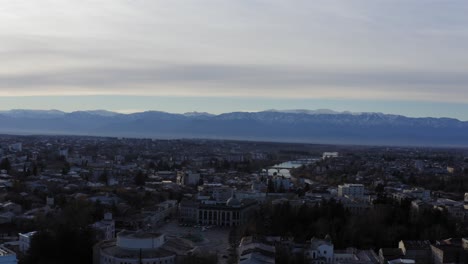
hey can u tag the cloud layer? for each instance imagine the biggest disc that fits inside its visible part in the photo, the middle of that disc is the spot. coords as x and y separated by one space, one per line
364 49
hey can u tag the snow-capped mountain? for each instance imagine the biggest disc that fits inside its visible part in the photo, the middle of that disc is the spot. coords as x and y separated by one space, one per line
197 114
311 112
315 126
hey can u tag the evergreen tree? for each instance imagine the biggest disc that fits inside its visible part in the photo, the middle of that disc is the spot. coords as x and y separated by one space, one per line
5 165
271 186
140 178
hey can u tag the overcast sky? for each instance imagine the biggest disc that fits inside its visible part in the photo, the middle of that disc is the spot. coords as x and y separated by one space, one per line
398 56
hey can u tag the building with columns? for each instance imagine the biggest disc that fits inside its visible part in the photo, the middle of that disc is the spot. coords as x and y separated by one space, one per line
234 212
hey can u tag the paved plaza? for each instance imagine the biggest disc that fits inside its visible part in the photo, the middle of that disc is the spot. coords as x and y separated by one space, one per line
213 238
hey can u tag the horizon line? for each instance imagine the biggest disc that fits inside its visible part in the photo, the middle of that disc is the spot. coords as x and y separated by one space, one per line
319 111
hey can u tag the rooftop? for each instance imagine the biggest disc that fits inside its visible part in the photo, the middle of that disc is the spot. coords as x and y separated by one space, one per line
6 252
137 235
416 244
173 246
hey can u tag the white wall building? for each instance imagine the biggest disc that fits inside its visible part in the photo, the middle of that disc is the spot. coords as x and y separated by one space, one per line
106 227
25 241
321 251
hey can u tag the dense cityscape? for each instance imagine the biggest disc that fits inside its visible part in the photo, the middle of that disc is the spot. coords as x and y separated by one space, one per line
234 132
70 199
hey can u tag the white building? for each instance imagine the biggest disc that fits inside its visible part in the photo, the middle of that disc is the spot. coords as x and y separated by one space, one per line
141 248
105 227
351 190
327 155
25 241
233 212
7 256
321 251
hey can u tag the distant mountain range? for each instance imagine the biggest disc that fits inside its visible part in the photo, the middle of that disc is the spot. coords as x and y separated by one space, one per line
312 126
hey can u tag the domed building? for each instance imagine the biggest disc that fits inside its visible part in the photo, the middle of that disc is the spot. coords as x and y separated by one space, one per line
139 247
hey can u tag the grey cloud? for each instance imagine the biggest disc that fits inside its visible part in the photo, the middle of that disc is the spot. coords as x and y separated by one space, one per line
235 75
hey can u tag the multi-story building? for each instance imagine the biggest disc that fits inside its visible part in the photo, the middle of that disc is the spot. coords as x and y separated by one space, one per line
351 190
354 205
188 211
217 192
159 213
25 241
208 212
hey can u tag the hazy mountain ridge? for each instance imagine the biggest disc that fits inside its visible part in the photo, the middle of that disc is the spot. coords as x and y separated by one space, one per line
321 126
